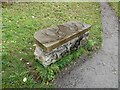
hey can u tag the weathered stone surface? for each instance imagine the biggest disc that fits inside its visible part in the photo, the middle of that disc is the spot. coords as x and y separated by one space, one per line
50 57
51 38
54 43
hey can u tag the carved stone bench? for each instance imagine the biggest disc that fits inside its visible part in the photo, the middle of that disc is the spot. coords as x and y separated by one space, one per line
55 42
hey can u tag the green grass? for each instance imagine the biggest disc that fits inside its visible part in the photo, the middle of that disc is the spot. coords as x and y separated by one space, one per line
0 47
114 6
21 20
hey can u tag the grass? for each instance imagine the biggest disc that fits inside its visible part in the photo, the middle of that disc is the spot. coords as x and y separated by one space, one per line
115 7
0 47
21 20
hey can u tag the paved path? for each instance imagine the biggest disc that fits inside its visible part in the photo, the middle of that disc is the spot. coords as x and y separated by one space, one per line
102 70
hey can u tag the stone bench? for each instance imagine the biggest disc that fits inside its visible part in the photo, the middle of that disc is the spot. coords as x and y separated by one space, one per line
55 42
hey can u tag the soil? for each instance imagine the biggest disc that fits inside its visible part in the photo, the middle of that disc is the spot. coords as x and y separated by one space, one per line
101 71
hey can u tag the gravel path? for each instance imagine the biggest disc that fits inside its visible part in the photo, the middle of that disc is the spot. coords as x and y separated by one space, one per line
102 70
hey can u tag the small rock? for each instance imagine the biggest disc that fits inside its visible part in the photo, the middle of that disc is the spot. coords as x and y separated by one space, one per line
33 16
28 63
114 72
24 79
103 64
20 59
2 71
34 45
